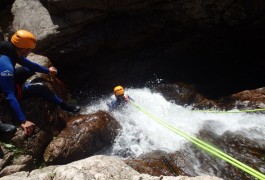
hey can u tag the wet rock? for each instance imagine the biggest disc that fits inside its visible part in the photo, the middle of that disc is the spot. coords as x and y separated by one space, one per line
83 136
160 163
185 94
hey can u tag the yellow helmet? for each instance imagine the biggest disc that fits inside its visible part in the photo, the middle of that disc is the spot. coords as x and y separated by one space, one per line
24 39
118 90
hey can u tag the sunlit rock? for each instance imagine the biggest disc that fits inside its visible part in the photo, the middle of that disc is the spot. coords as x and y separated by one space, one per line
83 136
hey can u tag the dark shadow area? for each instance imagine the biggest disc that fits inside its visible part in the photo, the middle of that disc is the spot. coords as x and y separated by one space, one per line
219 63
6 17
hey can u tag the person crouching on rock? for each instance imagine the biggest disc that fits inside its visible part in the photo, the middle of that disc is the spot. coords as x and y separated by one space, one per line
16 51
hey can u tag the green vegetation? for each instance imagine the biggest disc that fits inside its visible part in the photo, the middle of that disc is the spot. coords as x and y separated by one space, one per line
17 151
52 174
42 165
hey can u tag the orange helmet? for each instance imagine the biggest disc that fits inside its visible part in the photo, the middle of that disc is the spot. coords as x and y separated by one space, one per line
24 39
118 90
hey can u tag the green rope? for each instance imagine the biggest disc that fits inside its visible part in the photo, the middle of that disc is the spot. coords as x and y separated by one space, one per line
238 111
205 146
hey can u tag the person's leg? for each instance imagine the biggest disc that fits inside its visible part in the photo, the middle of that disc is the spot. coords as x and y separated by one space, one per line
22 74
7 128
40 89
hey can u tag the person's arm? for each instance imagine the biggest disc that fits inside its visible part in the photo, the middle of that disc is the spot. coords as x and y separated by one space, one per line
8 88
131 98
128 98
112 105
33 66
37 68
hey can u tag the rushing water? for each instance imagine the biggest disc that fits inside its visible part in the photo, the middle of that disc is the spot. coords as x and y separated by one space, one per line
141 134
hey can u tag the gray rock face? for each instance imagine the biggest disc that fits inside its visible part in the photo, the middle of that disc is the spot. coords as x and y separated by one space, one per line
31 15
96 167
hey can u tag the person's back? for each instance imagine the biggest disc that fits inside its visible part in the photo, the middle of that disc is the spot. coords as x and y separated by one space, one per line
121 98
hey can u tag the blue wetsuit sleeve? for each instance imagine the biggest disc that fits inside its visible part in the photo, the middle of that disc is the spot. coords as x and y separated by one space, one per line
112 105
130 98
8 87
33 66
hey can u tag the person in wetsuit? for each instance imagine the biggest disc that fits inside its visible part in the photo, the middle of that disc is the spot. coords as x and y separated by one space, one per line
121 98
16 51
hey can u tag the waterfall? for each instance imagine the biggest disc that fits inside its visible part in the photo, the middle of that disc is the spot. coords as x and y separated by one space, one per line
140 134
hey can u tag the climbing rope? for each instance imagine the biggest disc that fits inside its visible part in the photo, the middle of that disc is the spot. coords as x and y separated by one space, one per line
204 145
237 111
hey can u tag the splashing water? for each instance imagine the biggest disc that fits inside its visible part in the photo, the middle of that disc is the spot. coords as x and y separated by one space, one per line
141 134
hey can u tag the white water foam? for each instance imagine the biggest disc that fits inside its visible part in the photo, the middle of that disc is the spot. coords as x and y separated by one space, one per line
141 134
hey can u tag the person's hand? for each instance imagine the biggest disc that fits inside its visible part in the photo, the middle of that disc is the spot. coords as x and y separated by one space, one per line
28 127
53 71
126 97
